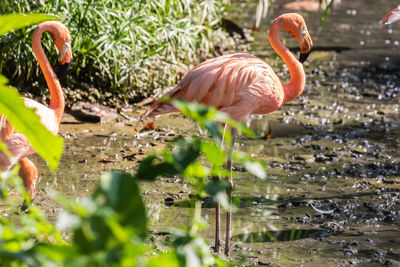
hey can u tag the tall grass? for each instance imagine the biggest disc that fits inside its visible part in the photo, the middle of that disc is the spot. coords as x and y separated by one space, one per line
126 48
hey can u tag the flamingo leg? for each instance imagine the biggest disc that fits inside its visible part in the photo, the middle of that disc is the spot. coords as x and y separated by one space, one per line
29 174
229 213
218 210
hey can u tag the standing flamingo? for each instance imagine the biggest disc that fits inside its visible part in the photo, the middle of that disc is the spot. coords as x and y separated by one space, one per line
242 84
392 17
50 116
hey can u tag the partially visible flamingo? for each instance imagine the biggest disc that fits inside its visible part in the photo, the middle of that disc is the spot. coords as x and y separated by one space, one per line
242 84
392 17
303 5
50 116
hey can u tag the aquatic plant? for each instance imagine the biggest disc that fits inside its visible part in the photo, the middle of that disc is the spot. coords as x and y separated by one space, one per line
123 49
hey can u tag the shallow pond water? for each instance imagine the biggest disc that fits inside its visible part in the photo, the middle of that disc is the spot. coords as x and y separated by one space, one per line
333 194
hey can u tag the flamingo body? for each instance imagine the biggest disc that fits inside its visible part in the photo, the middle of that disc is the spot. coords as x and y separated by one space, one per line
235 84
17 144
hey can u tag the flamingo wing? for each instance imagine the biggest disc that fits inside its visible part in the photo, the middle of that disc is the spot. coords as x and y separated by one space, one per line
47 115
17 143
47 118
221 82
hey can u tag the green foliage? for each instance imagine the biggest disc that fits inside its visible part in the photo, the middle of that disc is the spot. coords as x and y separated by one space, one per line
118 45
109 227
14 22
12 106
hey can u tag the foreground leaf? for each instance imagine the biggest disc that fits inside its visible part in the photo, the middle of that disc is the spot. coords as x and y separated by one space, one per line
120 192
11 22
27 122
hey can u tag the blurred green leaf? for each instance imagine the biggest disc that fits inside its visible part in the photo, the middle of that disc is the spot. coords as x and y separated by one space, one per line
185 152
191 250
196 170
255 167
120 192
27 122
165 259
215 187
149 170
213 153
11 22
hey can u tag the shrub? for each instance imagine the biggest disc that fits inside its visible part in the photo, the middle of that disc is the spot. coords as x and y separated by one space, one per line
124 48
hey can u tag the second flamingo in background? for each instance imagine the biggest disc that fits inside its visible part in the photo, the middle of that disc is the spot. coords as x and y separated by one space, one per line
50 116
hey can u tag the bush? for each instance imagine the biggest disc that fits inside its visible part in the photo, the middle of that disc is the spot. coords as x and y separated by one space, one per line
122 48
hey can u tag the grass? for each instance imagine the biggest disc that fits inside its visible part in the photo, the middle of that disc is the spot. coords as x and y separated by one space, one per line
125 49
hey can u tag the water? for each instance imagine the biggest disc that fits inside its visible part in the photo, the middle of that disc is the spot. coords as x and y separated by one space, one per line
333 159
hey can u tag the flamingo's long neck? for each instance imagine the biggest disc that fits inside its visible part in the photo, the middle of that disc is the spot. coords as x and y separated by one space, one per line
57 102
297 77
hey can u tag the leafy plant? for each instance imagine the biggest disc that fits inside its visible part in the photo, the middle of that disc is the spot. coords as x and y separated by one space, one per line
110 227
123 48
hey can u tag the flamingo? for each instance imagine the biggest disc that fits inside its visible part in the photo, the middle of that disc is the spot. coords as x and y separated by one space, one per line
392 17
303 5
50 116
242 84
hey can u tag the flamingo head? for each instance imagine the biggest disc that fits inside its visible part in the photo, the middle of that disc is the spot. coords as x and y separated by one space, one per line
62 39
295 25
391 17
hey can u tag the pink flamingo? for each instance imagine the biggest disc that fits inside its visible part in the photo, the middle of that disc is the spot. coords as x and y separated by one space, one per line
303 5
50 116
242 84
392 17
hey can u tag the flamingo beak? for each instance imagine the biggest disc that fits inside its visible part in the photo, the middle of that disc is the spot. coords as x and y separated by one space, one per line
305 45
65 58
303 57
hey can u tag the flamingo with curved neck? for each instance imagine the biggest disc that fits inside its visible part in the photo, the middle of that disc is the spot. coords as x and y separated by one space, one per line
50 116
242 84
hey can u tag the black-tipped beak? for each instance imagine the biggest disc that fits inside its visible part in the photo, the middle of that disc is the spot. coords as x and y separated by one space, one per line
62 70
303 57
